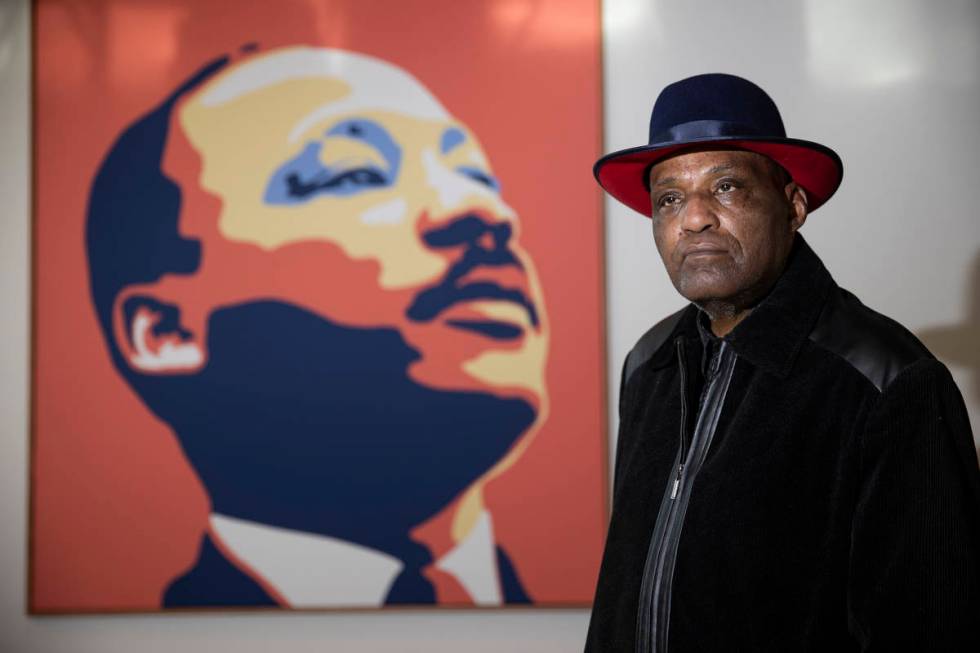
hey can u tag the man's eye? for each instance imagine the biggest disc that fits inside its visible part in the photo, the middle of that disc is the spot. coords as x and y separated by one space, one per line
726 186
666 201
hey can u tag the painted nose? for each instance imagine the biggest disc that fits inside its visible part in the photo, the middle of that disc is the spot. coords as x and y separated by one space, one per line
456 192
470 231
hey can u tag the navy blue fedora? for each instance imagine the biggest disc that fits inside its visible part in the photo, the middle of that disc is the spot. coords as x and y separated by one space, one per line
723 109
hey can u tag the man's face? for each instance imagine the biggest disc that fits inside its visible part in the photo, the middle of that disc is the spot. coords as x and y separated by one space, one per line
343 187
723 222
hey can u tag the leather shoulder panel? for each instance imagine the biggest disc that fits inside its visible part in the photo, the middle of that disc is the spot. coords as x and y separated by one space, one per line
876 346
650 342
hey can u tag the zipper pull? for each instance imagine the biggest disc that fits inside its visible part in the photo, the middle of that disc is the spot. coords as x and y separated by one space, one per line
677 482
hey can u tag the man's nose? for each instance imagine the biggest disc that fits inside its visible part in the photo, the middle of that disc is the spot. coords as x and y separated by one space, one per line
699 213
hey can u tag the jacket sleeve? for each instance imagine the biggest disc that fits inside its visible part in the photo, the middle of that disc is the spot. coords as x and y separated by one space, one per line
617 472
914 581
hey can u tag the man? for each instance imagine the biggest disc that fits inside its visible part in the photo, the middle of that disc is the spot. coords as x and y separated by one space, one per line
303 264
794 471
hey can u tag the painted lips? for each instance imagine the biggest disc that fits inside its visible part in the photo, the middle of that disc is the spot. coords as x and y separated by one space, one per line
488 272
480 284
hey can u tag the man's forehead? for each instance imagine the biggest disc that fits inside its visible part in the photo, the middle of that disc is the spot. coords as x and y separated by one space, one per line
373 84
705 161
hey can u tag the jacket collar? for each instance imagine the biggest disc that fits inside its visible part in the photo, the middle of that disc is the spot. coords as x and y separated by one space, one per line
774 332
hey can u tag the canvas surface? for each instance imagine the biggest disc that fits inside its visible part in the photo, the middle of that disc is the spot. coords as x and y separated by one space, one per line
318 305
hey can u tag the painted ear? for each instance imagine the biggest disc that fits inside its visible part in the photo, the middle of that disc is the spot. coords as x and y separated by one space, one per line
153 341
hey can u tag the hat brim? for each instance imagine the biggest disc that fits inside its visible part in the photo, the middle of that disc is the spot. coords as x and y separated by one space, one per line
815 167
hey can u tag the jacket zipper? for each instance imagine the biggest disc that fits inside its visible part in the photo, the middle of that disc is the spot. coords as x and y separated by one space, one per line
658 573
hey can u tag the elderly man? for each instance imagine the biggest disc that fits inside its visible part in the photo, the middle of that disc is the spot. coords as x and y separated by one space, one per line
303 264
794 471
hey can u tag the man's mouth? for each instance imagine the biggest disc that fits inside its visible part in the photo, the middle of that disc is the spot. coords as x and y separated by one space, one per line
703 249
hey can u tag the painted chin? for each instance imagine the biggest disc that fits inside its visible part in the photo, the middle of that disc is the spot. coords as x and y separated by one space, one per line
465 332
501 321
471 360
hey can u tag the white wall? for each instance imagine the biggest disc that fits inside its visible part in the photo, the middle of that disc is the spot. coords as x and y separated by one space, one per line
892 85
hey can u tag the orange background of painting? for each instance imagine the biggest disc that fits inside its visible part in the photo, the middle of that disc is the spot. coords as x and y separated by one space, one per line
116 510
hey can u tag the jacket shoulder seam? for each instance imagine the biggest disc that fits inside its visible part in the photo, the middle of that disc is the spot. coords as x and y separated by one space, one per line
651 342
874 345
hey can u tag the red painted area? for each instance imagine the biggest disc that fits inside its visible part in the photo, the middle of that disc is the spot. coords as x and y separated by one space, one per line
117 512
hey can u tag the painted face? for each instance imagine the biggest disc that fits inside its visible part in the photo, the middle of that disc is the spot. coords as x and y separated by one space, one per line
723 225
336 182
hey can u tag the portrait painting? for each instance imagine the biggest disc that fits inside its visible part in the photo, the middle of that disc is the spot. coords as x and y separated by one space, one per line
317 305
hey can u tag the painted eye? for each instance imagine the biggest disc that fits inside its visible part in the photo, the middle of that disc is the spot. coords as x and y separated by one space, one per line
337 182
480 177
359 177
365 159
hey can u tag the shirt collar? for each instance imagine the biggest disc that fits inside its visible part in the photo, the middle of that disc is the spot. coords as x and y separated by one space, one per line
310 570
704 329
306 569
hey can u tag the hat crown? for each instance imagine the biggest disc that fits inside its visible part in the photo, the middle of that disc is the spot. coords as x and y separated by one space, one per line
713 104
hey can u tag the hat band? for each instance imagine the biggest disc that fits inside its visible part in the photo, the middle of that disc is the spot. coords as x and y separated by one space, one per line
701 129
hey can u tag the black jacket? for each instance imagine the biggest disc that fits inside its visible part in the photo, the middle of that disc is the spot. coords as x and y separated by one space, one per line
830 495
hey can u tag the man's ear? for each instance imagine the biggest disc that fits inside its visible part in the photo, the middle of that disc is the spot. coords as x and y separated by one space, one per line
152 340
797 205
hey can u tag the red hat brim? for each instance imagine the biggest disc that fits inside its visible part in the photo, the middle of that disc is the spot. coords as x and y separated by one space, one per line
815 167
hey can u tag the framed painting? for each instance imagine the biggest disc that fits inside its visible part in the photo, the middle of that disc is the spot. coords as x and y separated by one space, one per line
318 305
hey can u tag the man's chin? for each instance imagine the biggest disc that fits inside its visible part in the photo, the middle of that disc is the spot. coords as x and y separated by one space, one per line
706 286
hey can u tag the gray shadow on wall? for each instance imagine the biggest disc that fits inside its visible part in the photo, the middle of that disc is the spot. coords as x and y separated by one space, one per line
10 22
959 344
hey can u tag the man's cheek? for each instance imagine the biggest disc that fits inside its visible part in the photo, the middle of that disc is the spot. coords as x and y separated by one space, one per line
665 249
